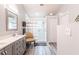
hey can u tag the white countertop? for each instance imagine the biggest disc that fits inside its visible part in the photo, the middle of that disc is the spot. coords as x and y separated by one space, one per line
5 42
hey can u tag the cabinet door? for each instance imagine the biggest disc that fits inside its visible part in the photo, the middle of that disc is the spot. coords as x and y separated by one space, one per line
19 47
24 44
8 50
22 49
15 48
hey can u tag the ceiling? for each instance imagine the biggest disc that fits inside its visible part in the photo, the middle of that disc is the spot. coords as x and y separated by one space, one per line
35 10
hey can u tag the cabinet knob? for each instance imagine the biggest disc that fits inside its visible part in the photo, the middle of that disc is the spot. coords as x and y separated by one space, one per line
3 53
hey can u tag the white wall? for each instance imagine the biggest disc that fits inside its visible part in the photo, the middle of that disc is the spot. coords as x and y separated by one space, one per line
52 28
67 34
73 10
21 17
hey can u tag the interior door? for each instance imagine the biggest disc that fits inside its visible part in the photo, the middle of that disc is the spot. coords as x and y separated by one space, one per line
64 19
64 35
52 29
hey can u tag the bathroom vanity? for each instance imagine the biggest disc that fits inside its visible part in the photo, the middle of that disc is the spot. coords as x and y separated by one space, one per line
14 45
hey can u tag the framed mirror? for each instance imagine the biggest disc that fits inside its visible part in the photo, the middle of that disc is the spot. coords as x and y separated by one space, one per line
12 20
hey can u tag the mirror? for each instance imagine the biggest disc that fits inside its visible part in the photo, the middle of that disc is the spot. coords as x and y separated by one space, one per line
11 20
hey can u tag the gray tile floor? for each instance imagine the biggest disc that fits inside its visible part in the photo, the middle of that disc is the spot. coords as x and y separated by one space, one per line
41 50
